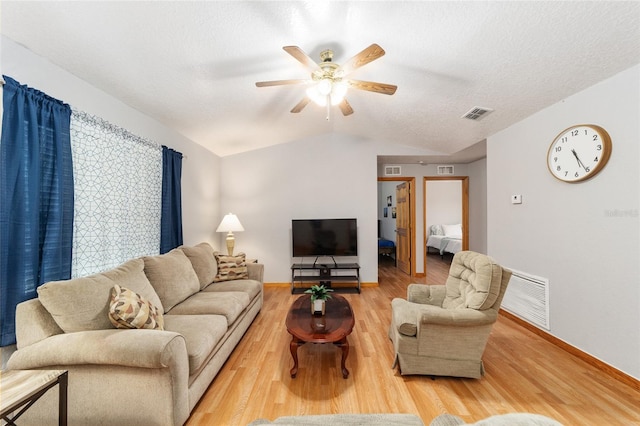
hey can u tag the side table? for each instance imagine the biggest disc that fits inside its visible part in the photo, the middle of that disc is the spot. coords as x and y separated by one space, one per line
22 388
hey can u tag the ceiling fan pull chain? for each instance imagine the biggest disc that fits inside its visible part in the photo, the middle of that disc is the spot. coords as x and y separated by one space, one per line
328 107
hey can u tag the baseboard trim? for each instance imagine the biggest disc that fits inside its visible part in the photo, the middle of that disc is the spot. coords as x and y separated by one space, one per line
589 359
335 284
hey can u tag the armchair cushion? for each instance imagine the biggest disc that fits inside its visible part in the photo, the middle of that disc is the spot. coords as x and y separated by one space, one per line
473 282
426 294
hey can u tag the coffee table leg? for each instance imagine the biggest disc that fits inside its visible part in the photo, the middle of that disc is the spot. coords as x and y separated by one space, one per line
62 401
344 345
294 354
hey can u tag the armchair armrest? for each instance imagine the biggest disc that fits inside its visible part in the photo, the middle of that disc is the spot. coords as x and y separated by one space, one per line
426 294
409 317
129 348
457 317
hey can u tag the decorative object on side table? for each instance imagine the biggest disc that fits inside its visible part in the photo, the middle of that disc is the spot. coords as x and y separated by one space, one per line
230 223
319 295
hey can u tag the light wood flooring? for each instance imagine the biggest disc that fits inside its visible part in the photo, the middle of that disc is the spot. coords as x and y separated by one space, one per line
524 372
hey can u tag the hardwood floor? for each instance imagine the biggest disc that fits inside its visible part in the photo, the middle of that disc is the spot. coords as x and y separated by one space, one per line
524 372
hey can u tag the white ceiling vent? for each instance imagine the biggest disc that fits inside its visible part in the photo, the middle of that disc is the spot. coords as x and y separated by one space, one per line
445 170
476 113
392 171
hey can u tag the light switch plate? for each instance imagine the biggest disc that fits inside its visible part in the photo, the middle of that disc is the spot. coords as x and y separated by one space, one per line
516 199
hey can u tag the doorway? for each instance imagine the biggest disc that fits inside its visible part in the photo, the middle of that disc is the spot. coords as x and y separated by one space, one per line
446 210
388 229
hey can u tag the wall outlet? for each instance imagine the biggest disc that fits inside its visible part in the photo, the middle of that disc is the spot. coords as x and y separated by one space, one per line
516 199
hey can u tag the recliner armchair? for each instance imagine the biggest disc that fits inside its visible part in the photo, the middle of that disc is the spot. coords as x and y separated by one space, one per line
442 330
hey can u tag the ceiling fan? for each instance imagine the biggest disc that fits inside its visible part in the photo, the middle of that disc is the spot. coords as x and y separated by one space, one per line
329 83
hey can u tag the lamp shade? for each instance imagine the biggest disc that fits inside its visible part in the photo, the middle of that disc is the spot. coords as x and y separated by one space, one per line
230 223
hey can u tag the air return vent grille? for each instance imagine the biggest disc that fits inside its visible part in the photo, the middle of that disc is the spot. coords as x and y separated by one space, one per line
476 113
392 171
527 297
445 170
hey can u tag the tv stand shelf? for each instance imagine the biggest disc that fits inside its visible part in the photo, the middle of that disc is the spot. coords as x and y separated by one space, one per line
324 273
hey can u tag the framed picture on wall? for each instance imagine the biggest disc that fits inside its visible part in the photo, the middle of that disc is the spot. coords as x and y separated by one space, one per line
385 212
389 201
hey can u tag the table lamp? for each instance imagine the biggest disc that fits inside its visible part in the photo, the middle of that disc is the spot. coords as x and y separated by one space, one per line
230 223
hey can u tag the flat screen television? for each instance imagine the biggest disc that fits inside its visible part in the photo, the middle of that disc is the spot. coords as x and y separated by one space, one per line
324 237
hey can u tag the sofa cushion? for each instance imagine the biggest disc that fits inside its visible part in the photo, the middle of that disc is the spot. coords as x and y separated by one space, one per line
251 287
231 267
474 282
201 333
130 310
230 304
172 276
82 304
203 262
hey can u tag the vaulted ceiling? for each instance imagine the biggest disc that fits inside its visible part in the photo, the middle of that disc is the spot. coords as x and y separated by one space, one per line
193 65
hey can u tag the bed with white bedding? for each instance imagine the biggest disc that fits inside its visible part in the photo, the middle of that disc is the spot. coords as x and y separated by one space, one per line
445 238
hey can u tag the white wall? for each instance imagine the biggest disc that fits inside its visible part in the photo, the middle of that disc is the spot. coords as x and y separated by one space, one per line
200 170
585 237
478 206
443 202
328 176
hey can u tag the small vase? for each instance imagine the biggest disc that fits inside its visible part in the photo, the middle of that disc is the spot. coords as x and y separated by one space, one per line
317 307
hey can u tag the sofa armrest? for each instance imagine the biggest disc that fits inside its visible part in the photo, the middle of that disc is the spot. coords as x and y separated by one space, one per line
256 271
129 348
34 323
426 294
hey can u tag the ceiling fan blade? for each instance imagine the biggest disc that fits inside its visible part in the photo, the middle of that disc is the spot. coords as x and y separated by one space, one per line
303 103
345 107
371 86
280 82
302 57
369 54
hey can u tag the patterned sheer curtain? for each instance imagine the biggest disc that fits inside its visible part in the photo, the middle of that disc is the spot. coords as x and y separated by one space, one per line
118 191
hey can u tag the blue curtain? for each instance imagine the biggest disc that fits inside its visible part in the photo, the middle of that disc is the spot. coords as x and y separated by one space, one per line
171 217
36 197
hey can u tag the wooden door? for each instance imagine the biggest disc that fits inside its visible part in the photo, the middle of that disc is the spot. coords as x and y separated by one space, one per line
403 227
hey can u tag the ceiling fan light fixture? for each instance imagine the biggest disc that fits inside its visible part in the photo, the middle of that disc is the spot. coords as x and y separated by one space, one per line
327 90
314 94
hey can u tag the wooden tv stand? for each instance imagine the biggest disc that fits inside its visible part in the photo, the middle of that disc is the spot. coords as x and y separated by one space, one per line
324 273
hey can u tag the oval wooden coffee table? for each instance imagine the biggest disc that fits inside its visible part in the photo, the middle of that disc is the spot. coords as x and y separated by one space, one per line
332 327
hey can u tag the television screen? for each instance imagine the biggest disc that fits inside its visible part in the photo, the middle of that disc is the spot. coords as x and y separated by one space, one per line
324 237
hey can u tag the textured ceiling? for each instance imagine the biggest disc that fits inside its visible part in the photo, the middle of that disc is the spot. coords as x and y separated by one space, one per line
193 65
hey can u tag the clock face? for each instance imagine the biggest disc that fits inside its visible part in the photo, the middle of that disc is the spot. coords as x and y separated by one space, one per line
579 153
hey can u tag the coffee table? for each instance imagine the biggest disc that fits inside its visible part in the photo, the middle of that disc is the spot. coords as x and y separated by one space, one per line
332 327
22 388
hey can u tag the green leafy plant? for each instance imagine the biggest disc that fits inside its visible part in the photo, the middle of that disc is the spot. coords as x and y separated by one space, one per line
319 292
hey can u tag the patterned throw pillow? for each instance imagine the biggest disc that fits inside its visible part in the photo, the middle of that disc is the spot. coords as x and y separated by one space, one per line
130 310
231 267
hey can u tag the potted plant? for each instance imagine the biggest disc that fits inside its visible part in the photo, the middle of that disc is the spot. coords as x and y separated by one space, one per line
319 295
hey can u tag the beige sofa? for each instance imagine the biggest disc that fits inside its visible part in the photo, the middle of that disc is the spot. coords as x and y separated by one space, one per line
138 376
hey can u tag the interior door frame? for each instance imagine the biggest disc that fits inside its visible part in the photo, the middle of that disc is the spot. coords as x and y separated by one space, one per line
412 215
464 180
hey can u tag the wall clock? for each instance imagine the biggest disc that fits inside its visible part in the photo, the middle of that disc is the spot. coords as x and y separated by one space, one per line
579 153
